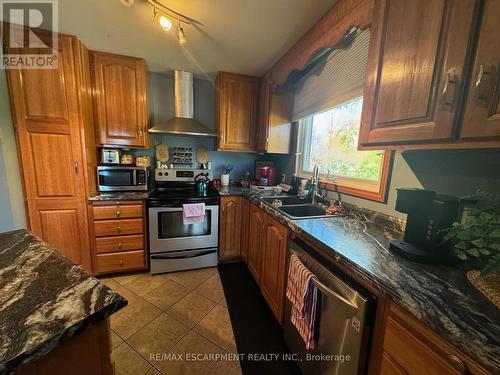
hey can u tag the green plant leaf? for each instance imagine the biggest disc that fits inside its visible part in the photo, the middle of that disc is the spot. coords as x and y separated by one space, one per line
461 255
466 235
474 252
480 242
495 233
484 251
495 246
462 245
492 266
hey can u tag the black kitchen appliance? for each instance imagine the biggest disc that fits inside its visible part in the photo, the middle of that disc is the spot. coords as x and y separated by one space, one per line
428 214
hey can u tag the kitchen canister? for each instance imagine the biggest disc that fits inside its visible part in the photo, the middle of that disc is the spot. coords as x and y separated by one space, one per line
224 179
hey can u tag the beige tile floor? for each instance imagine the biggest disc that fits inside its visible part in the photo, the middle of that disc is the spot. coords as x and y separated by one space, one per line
182 316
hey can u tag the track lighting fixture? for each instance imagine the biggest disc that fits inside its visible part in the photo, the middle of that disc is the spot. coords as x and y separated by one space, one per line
164 21
165 16
180 35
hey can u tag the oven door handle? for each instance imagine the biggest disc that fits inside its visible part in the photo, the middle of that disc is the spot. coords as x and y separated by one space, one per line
163 256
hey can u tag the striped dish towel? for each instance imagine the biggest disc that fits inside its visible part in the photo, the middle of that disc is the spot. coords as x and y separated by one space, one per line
303 294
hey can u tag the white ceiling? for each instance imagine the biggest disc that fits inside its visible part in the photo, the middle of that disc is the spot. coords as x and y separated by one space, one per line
241 36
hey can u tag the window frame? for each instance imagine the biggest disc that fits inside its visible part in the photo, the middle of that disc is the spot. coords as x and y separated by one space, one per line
366 189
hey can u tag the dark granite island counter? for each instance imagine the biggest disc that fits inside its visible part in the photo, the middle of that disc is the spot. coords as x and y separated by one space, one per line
45 300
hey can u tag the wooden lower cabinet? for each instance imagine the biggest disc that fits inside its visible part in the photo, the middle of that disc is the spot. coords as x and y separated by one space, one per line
245 221
272 278
88 352
230 228
120 239
267 245
410 348
255 233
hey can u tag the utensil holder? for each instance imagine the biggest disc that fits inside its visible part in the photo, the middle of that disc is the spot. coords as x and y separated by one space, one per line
224 179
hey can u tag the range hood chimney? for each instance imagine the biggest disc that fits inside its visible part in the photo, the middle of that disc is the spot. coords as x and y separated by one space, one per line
183 123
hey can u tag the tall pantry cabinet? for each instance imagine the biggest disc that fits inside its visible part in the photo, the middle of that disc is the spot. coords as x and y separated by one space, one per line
52 113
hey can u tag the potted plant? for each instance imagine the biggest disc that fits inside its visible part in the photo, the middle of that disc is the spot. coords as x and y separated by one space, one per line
477 236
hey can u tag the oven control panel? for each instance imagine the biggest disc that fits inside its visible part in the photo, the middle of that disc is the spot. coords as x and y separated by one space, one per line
180 175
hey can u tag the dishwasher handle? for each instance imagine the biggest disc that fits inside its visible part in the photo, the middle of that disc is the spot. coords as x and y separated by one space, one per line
348 304
351 306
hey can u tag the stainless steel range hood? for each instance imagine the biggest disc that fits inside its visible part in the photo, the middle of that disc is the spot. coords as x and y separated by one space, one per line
183 123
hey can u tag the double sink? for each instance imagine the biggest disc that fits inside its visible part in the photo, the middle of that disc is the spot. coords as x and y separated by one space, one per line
296 208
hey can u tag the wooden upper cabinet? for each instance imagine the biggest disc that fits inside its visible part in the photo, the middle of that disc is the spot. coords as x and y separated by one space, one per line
272 279
255 234
274 118
47 109
120 99
230 231
263 113
236 109
416 70
482 112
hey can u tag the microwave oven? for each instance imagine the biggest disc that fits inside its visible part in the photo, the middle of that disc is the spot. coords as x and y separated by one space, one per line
122 178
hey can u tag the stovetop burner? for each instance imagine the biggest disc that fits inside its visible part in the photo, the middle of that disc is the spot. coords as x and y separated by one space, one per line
176 196
173 187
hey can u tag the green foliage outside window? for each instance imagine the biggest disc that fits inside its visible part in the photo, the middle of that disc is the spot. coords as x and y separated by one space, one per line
333 144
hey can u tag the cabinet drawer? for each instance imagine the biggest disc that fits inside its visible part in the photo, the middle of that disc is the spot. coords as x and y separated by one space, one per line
389 366
117 212
126 260
119 243
412 355
104 228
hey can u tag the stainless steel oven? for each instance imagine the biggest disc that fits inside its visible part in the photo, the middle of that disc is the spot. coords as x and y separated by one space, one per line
122 178
176 246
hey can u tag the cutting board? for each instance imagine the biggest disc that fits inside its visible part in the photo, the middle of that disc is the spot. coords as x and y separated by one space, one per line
162 153
202 155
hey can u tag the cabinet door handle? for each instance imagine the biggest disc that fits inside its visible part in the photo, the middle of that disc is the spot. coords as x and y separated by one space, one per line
141 133
76 167
117 213
120 245
119 229
457 363
483 86
121 262
222 136
448 91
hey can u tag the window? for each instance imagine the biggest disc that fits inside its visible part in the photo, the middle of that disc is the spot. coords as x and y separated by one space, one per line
329 139
327 105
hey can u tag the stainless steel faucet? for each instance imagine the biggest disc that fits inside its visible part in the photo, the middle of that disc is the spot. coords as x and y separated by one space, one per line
314 184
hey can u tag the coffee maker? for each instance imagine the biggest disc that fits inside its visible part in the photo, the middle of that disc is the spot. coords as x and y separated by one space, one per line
428 214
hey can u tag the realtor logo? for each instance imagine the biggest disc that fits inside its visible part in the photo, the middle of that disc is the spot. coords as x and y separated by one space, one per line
29 32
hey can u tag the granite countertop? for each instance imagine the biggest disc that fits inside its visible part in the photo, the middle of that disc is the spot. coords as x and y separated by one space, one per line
439 296
44 298
120 196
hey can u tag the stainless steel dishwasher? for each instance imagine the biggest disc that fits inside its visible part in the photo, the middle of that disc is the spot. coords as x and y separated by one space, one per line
343 321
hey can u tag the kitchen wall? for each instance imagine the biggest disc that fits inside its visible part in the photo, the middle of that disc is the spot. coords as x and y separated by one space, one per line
454 172
12 214
162 109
